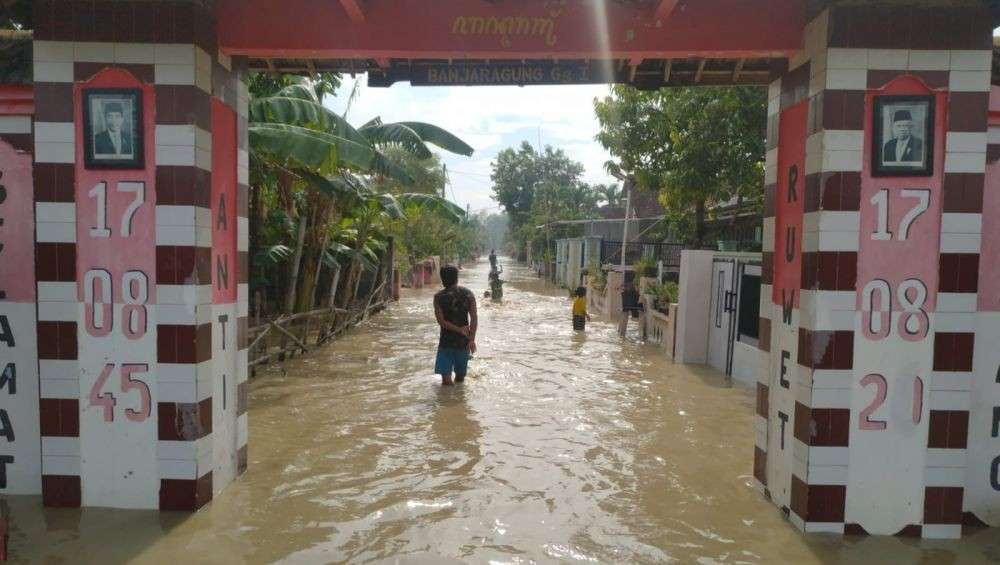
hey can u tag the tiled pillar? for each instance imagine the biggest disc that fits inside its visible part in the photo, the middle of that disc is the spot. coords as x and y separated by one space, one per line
861 433
175 432
20 444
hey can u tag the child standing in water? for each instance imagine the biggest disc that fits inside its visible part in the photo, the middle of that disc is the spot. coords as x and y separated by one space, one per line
580 315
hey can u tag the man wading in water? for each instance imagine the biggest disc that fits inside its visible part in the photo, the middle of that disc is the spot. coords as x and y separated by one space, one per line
455 309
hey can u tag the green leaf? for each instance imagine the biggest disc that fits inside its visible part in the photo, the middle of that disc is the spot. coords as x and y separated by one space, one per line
310 148
443 207
435 135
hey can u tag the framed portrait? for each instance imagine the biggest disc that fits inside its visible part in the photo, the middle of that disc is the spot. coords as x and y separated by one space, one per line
112 128
903 136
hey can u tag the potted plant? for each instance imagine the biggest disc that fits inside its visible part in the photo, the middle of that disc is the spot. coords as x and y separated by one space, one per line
645 266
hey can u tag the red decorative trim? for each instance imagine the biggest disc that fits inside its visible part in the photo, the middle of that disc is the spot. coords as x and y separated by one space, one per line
17 100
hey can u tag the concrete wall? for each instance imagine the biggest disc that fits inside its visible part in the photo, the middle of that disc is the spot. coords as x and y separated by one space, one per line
692 307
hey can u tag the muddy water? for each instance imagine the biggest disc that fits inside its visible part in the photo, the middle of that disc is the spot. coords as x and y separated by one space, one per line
560 447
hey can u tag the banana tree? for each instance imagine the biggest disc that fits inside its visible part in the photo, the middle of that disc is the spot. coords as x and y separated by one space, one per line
292 132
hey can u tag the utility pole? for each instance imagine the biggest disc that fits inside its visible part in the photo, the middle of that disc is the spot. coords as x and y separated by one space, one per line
628 209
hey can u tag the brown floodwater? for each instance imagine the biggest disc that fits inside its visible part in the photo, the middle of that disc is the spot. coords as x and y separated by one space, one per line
559 447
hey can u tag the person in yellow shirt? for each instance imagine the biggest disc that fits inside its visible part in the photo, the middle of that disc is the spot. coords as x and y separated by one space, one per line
580 315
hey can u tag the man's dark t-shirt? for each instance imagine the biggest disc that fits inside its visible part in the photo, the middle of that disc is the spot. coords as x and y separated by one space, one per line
455 303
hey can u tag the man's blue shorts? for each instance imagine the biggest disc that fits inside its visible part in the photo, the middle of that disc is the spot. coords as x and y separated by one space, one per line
452 360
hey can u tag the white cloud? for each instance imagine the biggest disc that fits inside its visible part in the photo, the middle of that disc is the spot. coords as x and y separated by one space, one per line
491 118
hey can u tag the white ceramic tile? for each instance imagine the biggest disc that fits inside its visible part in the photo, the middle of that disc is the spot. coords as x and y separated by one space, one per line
55 212
960 242
949 380
824 528
768 234
827 475
182 314
225 61
66 446
174 74
58 311
837 456
170 215
968 142
941 531
59 132
843 58
979 60
969 81
54 152
135 53
843 140
956 302
243 175
773 90
52 51
846 79
177 392
56 291
55 232
15 124
831 221
60 388
51 71
174 53
827 378
993 135
242 293
840 161
921 60
178 155
61 465
945 458
818 64
60 369
203 158
954 321
202 139
956 222
831 398
948 400
183 294
177 469
175 134
242 234
817 83
944 477
93 52
965 162
888 59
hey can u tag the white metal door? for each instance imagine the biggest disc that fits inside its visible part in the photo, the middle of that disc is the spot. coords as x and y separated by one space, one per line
720 316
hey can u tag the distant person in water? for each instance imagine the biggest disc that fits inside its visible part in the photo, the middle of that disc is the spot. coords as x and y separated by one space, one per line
455 309
630 304
580 315
493 259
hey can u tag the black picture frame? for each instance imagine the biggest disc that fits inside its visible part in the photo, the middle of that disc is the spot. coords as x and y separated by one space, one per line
917 161
99 152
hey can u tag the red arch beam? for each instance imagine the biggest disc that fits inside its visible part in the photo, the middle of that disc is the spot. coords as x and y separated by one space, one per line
354 10
665 8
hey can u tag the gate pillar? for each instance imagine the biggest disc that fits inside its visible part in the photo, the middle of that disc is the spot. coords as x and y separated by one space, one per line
141 252
877 402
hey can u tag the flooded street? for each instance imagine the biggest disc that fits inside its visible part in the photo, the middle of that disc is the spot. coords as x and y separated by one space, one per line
559 447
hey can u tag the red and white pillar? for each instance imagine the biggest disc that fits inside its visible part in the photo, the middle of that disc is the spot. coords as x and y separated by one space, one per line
865 427
141 304
20 443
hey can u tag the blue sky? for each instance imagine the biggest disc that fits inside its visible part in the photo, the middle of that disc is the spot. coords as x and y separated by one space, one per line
490 118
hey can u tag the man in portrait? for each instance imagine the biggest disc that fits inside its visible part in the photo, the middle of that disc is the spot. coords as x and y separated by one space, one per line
113 140
904 147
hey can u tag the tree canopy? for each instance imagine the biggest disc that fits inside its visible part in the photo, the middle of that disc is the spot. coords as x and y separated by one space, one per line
695 146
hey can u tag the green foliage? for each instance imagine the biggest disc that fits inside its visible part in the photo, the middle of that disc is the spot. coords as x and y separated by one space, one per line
428 174
664 293
695 146
537 189
599 277
643 265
